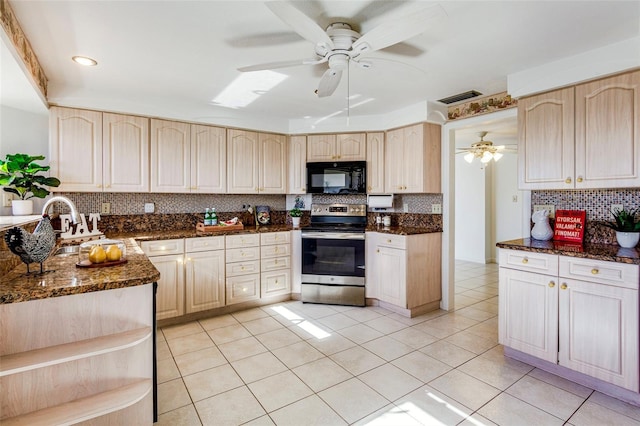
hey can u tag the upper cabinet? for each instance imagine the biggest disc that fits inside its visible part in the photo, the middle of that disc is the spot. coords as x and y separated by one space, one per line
375 163
91 151
342 147
581 137
412 159
256 163
208 159
297 164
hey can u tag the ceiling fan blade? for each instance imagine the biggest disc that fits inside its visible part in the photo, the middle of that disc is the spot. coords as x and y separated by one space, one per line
397 30
300 22
328 83
281 64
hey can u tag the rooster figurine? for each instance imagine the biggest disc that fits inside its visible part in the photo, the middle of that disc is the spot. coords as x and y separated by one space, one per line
32 248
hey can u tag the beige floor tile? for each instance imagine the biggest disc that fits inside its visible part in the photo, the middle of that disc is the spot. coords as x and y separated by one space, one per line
167 370
386 325
289 389
499 375
234 407
507 410
250 314
173 331
308 330
388 348
337 321
258 367
211 382
411 321
308 411
463 301
171 395
242 348
561 383
162 350
421 366
390 381
471 342
387 416
190 343
486 306
468 391
357 360
592 414
312 311
297 354
331 344
278 338
413 337
546 397
448 353
353 400
616 405
160 335
440 333
262 325
218 322
196 361
430 407
496 354
184 416
459 322
260 421
322 374
477 420
475 314
485 329
363 314
228 333
360 333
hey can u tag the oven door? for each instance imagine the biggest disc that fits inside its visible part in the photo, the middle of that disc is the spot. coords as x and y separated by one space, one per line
333 258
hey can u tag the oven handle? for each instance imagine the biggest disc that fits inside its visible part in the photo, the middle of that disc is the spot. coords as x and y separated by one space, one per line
333 235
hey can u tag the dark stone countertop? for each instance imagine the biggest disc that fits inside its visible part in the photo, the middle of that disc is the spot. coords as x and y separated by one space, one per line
606 252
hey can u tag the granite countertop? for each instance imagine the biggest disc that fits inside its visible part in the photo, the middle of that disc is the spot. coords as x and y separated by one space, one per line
403 230
606 252
65 278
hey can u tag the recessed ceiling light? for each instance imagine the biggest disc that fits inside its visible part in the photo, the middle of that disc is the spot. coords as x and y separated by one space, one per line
85 60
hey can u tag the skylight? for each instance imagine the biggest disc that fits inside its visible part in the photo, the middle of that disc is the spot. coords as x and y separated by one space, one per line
248 87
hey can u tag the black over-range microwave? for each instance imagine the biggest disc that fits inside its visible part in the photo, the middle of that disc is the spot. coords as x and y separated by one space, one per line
346 177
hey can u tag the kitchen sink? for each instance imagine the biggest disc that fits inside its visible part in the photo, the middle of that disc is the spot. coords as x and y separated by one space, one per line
67 251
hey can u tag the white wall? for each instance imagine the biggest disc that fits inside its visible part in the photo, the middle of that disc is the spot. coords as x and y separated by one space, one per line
470 218
507 215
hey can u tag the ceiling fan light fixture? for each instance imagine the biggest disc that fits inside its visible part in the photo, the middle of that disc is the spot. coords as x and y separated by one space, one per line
486 157
497 156
469 157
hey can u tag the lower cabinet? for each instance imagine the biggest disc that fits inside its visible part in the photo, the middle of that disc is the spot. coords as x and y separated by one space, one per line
205 274
243 268
581 314
275 261
168 258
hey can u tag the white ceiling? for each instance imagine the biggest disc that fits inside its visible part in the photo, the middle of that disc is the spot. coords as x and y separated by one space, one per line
171 58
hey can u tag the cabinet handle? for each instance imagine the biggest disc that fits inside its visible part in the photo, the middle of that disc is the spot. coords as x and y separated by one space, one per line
368 188
276 281
378 251
339 157
107 186
567 180
552 284
275 262
257 189
579 179
595 271
400 187
525 260
98 186
388 241
563 286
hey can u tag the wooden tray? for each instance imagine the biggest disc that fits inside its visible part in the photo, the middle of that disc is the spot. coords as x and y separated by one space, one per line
219 228
88 264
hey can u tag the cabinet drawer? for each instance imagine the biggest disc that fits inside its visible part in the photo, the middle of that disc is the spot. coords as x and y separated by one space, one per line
275 283
275 238
275 263
243 288
204 244
394 241
598 271
243 254
243 268
162 247
242 240
275 251
529 261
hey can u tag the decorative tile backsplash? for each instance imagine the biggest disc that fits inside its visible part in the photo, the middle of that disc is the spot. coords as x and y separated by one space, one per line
596 202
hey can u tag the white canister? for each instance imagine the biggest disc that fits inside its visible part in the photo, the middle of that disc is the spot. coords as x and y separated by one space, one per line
386 221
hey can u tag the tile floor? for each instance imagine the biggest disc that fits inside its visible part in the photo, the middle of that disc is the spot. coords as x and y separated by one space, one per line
304 364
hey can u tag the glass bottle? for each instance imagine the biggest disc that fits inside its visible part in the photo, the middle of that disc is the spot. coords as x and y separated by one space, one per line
207 217
214 217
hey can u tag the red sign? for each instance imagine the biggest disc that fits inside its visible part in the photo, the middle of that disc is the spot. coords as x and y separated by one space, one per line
570 225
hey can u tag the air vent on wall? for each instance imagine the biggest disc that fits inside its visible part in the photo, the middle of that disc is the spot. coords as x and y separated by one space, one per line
460 97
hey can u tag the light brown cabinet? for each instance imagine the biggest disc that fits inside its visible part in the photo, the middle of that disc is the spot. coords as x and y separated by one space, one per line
204 273
340 147
243 268
275 263
168 258
375 163
297 165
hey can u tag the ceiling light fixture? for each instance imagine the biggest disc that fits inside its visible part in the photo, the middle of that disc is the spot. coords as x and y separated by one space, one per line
85 60
485 151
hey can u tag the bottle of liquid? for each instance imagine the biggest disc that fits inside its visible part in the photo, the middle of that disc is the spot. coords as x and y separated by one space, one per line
214 217
207 217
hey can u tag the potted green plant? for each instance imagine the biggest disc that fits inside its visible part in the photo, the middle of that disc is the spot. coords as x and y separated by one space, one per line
295 214
627 226
19 175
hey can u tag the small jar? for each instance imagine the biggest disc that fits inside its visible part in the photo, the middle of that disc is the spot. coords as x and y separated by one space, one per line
386 221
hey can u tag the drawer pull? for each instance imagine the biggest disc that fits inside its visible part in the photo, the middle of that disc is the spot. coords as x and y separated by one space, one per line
388 241
567 180
525 260
378 251
579 180
563 286
595 271
552 284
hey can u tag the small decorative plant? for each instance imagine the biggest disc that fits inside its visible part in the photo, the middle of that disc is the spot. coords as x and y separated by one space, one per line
295 212
19 175
625 220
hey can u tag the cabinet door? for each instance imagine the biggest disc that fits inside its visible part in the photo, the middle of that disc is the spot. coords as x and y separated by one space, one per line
599 331
76 149
391 265
528 313
273 163
607 143
275 283
205 280
243 288
170 156
546 140
371 262
375 163
243 161
351 147
297 165
208 159
125 153
413 151
393 161
321 148
170 296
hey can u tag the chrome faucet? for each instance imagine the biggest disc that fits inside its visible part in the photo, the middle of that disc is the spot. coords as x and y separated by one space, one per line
68 202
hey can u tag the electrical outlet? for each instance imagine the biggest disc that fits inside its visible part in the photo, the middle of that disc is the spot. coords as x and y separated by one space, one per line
7 197
436 208
106 208
616 207
548 207
149 207
405 207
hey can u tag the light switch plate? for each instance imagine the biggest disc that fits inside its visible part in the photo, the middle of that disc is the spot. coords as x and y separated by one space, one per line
548 207
106 208
436 208
149 207
7 198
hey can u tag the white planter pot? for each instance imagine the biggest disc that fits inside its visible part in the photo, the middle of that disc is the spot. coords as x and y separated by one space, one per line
295 221
22 207
627 239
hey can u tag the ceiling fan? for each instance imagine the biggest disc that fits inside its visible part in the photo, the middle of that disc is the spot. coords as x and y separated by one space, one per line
339 44
485 151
